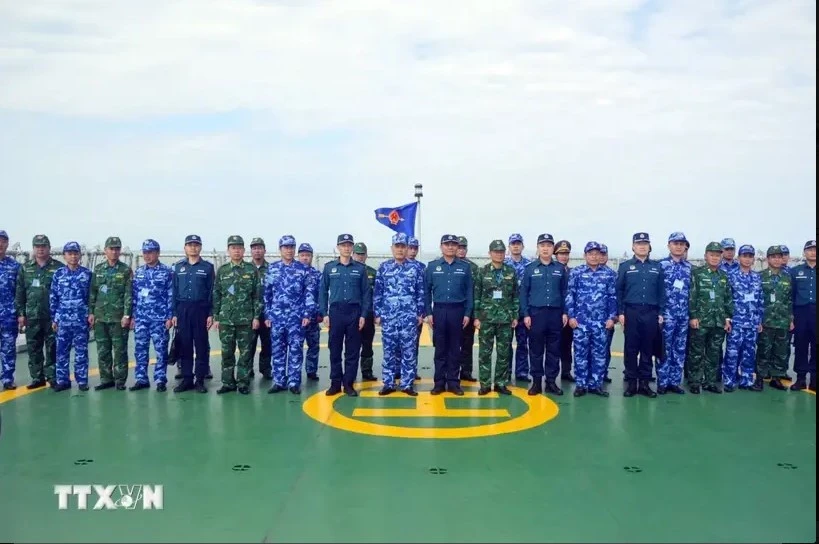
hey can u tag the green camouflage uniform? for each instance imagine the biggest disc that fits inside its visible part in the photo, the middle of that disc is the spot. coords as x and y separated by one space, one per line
711 302
368 332
496 316
110 301
773 348
236 303
31 302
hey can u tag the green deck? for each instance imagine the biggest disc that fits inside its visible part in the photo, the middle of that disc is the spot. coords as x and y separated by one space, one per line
709 468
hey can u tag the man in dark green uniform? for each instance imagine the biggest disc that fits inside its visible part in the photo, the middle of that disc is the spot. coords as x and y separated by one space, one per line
773 347
368 332
711 307
496 316
110 304
468 339
262 334
237 305
33 314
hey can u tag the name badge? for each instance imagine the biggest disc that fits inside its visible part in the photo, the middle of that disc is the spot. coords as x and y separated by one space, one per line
497 294
104 289
773 297
678 284
144 292
749 297
35 282
712 295
232 289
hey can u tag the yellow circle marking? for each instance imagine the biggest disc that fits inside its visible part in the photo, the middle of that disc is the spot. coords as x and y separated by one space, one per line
540 410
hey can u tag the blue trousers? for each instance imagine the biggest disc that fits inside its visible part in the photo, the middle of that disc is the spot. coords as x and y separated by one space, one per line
804 357
675 337
609 339
192 329
398 334
8 351
311 335
544 336
589 341
344 334
642 327
72 336
739 362
522 350
146 332
287 344
447 334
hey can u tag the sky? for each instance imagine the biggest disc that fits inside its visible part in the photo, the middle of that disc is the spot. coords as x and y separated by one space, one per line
588 120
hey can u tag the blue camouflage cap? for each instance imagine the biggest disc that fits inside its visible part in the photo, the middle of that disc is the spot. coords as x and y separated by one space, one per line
641 237
545 237
399 238
306 248
71 246
193 239
677 237
287 240
449 238
150 245
344 239
785 250
412 241
728 243
746 249
591 246
516 237
604 249
4 234
810 244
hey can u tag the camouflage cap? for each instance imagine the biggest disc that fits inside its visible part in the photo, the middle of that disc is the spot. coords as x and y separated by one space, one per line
305 248
236 240
71 246
747 249
41 240
412 241
728 243
113 242
398 239
774 250
287 240
257 242
785 249
462 242
516 237
4 234
604 249
563 246
713 246
150 245
497 245
591 246
810 244
360 248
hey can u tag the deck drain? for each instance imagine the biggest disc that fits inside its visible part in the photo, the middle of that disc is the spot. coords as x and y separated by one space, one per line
323 366
787 466
293 401
632 470
240 468
425 368
612 367
83 462
437 471
77 396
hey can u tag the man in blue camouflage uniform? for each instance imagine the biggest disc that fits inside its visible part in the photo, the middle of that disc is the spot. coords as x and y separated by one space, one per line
9 270
591 304
289 306
677 276
413 246
786 259
153 296
262 334
312 333
517 261
398 303
728 264
604 260
71 317
804 318
739 363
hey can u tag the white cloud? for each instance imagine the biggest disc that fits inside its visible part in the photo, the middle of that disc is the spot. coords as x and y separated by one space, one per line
589 120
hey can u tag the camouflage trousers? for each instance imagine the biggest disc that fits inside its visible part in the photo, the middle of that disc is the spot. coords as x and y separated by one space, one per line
398 334
287 343
739 362
145 332
590 341
8 351
73 335
704 355
773 353
675 338
39 335
231 337
499 337
110 336
312 334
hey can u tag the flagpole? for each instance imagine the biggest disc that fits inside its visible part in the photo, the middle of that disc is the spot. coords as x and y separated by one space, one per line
419 192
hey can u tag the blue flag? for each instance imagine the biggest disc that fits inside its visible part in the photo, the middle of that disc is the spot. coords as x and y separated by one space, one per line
400 219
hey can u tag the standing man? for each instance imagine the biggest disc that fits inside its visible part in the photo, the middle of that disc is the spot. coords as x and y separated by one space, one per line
543 306
368 332
641 305
591 304
344 297
237 304
517 261
70 318
193 314
413 245
111 309
152 295
312 333
711 307
398 302
468 338
739 363
448 292
262 334
604 259
728 264
9 270
773 347
33 315
804 311
786 259
497 307
677 279
563 252
289 305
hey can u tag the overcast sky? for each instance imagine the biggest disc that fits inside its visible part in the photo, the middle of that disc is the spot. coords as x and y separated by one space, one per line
588 119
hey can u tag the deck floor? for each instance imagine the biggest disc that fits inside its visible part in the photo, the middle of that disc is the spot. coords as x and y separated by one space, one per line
729 468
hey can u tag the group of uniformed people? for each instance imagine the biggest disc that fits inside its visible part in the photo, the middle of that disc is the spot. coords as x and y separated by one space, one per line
670 312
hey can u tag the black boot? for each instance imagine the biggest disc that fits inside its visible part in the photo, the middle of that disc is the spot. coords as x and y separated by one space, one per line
102 386
759 385
537 387
799 384
776 384
645 389
551 387
631 388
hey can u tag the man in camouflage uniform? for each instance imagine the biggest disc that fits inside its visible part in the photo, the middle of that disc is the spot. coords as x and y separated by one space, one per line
31 302
517 261
9 270
398 303
739 362
804 319
677 276
563 252
773 348
111 307
591 304
368 332
413 246
312 333
236 309
262 334
497 308
711 307
604 260
71 318
468 338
